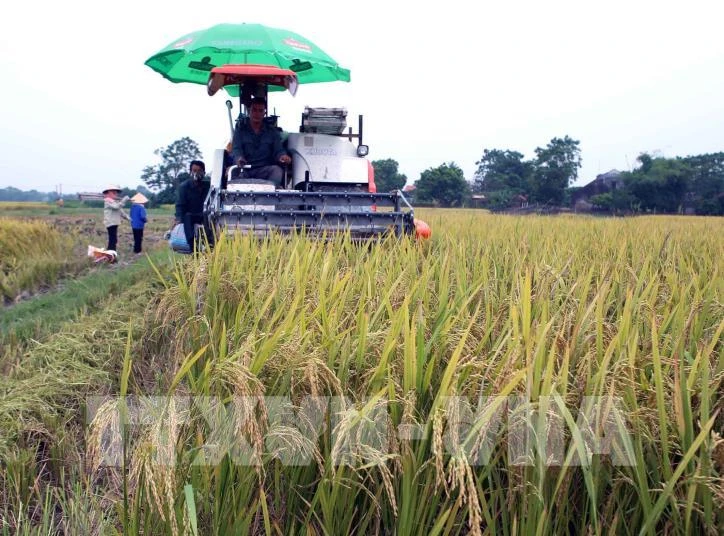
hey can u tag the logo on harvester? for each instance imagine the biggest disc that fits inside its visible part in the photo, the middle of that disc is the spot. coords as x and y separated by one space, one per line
183 42
321 151
296 44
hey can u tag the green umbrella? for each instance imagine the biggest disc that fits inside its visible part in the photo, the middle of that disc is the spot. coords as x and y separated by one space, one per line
191 57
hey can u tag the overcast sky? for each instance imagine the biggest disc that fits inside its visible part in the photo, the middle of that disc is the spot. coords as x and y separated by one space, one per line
436 82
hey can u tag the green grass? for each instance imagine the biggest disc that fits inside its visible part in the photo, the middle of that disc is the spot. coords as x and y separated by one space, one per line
79 296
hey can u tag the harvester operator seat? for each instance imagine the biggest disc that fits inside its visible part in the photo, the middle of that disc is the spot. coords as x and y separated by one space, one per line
238 174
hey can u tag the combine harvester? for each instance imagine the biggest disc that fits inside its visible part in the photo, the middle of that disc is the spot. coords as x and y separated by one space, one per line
329 186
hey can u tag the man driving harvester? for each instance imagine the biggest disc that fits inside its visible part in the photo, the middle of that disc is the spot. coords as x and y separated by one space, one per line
259 145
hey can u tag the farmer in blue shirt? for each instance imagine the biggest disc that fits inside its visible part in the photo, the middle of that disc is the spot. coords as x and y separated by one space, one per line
260 146
138 220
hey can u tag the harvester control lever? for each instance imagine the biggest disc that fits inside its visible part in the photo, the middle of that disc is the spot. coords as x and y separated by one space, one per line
232 170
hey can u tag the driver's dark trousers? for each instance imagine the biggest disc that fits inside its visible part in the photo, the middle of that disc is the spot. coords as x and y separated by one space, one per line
273 173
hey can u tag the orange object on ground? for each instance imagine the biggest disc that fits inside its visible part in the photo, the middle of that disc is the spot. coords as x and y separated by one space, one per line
422 229
102 255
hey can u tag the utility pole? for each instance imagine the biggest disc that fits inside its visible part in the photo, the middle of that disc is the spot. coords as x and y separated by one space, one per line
59 194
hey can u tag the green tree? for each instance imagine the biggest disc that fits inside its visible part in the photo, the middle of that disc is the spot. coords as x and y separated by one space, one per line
659 184
556 166
502 170
444 185
387 178
706 188
616 201
173 169
646 161
501 199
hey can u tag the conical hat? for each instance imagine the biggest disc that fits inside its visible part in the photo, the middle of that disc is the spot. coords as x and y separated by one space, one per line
112 187
139 198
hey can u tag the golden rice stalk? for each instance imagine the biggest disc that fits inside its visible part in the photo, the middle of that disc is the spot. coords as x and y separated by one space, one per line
105 435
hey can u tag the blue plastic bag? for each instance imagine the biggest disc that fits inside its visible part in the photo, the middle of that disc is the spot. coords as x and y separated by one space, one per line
177 240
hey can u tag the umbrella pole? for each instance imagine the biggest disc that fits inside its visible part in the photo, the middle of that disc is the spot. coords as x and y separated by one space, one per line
231 121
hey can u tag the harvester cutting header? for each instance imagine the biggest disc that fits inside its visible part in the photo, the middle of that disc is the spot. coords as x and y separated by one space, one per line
327 183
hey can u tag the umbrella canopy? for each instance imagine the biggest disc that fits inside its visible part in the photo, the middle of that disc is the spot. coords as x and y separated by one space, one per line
191 57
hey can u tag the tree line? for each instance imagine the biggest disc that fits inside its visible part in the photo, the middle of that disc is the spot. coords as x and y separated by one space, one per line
14 194
669 185
503 175
555 167
503 179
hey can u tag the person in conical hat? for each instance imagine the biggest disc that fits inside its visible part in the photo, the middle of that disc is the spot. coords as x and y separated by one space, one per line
113 212
138 220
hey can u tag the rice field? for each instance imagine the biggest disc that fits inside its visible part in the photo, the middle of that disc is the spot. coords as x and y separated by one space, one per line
23 206
513 375
34 254
39 249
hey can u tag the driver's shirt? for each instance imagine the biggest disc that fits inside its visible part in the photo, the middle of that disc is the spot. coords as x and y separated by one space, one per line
262 149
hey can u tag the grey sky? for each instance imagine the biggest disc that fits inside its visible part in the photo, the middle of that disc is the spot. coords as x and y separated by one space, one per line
435 82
